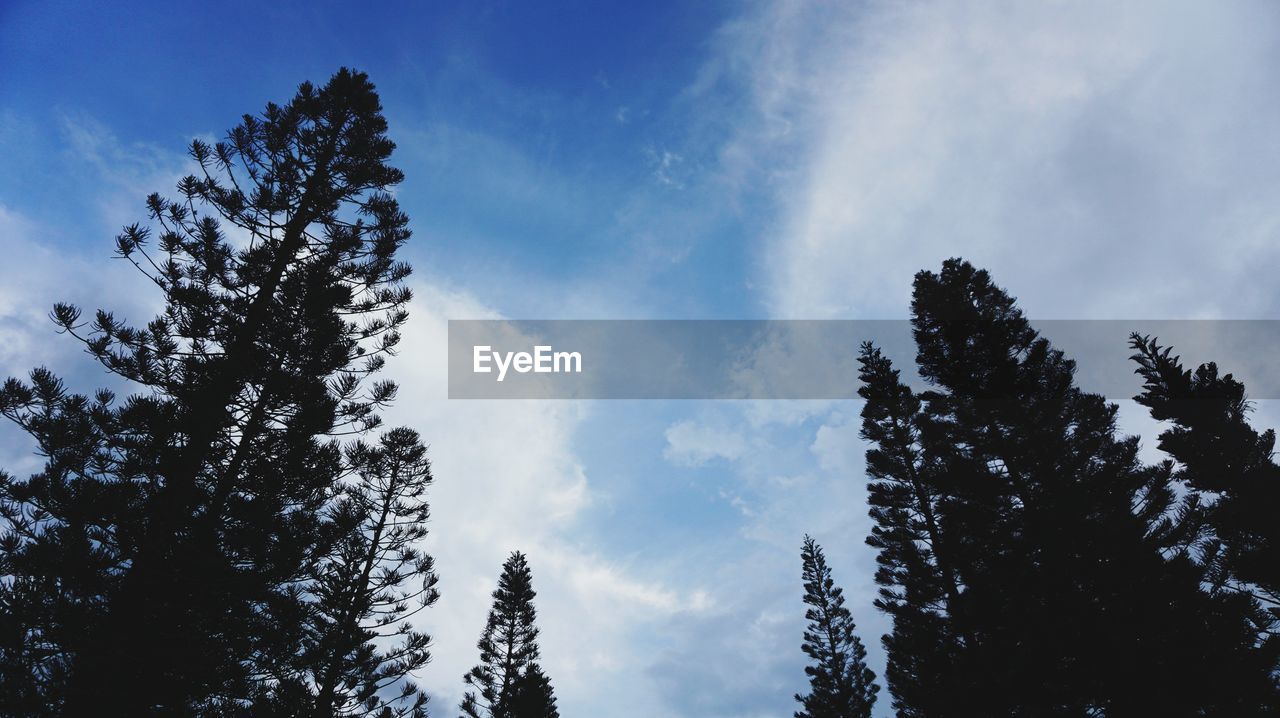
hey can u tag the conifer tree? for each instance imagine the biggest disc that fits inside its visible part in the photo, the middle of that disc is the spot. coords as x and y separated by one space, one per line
507 683
1021 537
370 582
918 588
156 558
1232 482
534 696
840 684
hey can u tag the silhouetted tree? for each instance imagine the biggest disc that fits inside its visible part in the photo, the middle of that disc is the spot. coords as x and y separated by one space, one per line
155 561
1021 538
1230 476
840 684
370 582
918 586
508 683
534 697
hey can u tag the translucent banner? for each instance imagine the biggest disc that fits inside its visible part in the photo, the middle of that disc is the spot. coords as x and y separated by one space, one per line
798 359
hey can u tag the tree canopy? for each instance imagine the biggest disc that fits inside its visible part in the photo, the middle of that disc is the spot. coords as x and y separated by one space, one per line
159 559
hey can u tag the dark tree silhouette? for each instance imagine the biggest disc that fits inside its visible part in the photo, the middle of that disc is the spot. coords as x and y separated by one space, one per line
918 585
508 683
840 684
155 561
1021 539
534 697
369 583
1231 480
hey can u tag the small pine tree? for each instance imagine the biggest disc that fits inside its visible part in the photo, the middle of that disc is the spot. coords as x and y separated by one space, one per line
508 680
840 684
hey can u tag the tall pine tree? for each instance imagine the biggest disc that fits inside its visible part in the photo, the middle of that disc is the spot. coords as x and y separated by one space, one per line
840 684
155 560
508 682
1021 538
919 589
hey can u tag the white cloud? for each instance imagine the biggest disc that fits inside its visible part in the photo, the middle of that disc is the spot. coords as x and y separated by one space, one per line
126 173
837 447
668 167
507 479
691 443
1086 153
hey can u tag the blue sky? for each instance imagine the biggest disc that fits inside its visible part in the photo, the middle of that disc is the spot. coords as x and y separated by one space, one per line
776 158
539 140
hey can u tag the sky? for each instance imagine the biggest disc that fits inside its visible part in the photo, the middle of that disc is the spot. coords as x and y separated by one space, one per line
672 160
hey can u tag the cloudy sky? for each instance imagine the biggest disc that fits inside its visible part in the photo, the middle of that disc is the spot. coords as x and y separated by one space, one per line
789 159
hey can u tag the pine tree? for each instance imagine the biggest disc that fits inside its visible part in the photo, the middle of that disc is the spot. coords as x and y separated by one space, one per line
369 583
508 683
1021 537
918 588
156 558
534 696
840 684
1230 477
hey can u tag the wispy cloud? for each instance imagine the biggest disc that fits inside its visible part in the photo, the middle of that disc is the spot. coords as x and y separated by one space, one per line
1114 145
693 444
